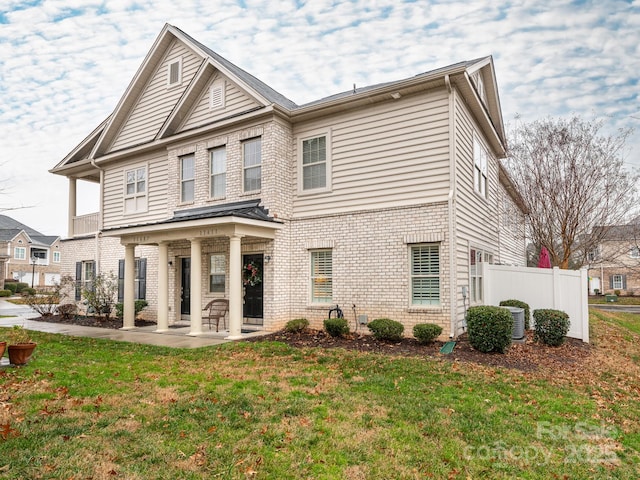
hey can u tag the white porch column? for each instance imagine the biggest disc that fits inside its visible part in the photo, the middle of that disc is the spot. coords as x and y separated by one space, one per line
235 288
163 287
72 205
196 286
129 313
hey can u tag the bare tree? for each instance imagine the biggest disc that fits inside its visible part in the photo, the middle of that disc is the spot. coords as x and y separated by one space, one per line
572 178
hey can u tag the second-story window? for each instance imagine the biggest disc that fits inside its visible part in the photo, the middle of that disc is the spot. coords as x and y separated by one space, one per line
218 168
135 194
20 253
252 164
314 163
187 178
479 167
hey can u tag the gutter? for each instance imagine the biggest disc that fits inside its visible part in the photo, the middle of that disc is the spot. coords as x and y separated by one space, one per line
453 286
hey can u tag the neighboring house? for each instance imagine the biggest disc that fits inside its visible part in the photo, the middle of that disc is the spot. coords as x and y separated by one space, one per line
213 185
30 256
615 263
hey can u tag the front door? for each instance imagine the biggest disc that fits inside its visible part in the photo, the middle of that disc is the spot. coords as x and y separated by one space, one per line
253 283
185 288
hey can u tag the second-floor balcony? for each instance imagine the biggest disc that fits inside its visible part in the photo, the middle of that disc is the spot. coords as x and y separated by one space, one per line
84 225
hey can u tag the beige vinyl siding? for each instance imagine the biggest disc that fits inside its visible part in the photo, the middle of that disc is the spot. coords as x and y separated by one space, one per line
157 100
236 102
476 217
388 155
113 204
511 231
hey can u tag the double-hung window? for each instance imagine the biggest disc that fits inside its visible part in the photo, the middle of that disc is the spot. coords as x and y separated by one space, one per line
252 164
218 169
187 178
479 167
135 190
85 275
321 276
217 273
20 253
618 282
314 163
56 257
425 274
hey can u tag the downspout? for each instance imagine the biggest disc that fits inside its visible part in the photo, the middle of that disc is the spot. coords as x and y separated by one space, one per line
98 232
453 288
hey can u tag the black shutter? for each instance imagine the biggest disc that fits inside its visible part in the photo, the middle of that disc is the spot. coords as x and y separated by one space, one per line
78 281
142 279
120 281
611 282
624 282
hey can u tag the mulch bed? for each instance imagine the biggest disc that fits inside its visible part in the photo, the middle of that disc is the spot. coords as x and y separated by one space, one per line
528 356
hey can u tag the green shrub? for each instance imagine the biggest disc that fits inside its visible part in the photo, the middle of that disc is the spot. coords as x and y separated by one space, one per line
20 286
489 328
617 293
297 325
5 293
28 292
336 327
11 286
551 326
138 306
426 332
519 304
386 329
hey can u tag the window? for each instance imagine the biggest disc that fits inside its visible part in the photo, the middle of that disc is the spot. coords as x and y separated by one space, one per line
39 254
56 257
85 273
425 274
217 273
321 276
218 168
314 163
634 252
252 162
140 278
216 95
135 194
618 282
174 74
480 86
20 253
476 258
593 254
187 178
479 167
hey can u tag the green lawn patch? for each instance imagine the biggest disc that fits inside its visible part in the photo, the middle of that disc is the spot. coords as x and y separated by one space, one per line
89 408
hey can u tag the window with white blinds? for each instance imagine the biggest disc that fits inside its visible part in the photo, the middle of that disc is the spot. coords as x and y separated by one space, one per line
321 276
218 168
252 162
480 167
187 178
425 274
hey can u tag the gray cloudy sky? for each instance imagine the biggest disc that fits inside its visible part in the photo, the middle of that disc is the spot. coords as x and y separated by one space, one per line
64 64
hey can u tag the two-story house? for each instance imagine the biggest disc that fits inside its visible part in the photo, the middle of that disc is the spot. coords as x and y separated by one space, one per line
29 256
212 184
614 265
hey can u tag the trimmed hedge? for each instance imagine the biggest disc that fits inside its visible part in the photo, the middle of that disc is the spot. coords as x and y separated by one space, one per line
426 332
489 328
551 326
336 327
296 325
5 293
20 286
386 329
519 304
11 286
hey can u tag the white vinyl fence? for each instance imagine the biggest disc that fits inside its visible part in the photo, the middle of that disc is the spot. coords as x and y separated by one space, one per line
564 290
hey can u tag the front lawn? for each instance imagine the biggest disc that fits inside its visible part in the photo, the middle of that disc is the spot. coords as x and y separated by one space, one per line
87 408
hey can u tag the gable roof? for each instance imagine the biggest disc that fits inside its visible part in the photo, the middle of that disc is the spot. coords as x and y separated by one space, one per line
97 144
10 228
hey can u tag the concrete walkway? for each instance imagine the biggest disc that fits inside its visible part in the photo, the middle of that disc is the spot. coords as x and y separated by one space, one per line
175 337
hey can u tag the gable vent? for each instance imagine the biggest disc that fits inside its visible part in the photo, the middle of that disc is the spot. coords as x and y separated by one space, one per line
216 95
174 73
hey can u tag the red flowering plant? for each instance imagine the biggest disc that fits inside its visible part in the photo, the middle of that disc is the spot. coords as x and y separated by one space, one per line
251 275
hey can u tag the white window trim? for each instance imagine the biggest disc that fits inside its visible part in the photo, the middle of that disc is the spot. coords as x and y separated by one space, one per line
136 195
245 168
313 301
634 252
223 272
179 81
56 257
20 249
211 174
482 169
218 85
425 306
617 282
181 180
328 162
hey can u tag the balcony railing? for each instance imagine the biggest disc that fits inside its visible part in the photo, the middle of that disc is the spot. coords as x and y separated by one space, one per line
85 224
